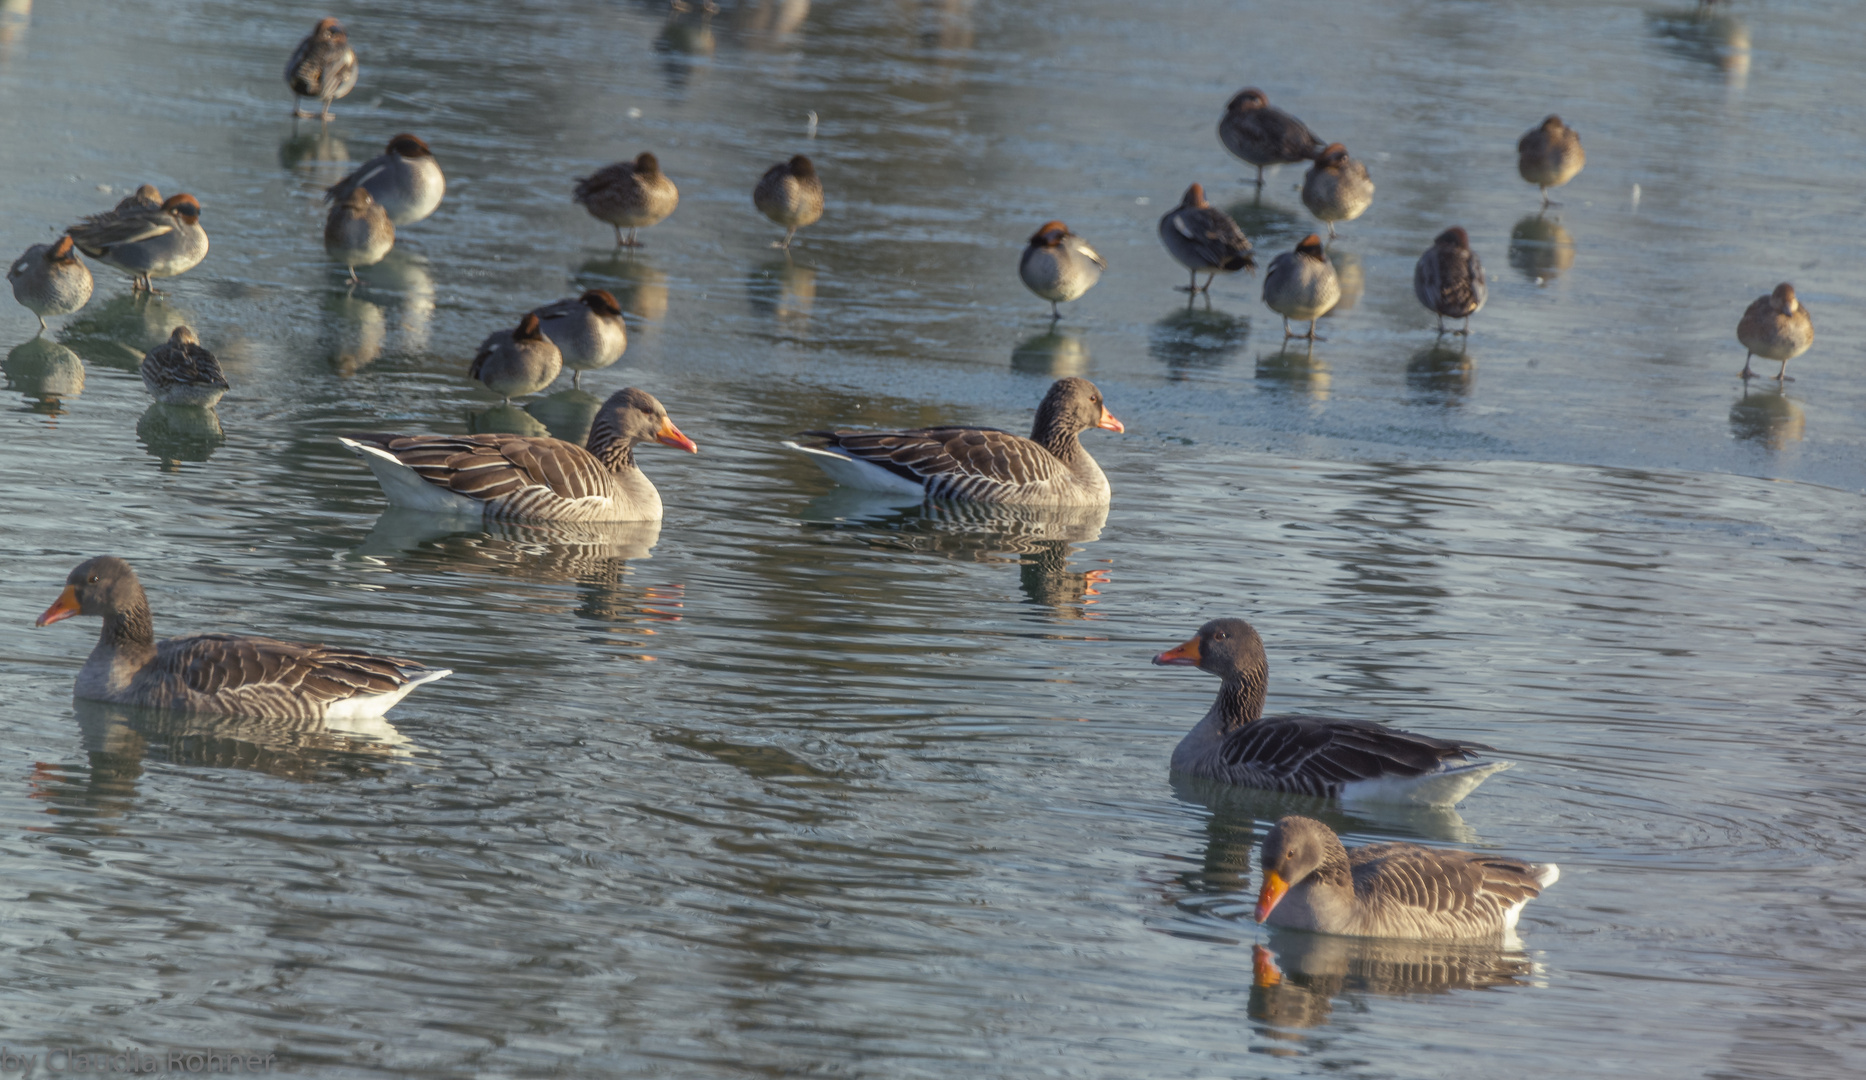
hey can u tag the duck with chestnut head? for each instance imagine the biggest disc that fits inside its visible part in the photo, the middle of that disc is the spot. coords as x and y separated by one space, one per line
146 244
588 331
1202 237
1262 135
404 179
1775 327
628 195
1059 266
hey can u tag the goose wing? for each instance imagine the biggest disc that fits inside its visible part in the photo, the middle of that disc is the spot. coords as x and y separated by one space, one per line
1317 756
953 462
264 676
486 467
1454 893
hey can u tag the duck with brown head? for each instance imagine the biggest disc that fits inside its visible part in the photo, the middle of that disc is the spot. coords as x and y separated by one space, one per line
1262 135
358 232
1302 285
588 331
629 194
1204 238
146 244
790 194
1337 187
516 362
50 279
1775 327
1549 155
1449 279
1059 266
404 179
323 66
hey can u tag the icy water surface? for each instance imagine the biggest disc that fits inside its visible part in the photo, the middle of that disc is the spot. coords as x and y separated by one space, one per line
798 784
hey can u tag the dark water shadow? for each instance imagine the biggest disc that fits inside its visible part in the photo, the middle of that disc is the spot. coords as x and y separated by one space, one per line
567 414
1271 228
1540 248
176 433
783 291
1769 418
1197 338
638 285
119 331
46 373
1298 979
1055 353
351 331
1442 373
505 420
1716 40
1296 368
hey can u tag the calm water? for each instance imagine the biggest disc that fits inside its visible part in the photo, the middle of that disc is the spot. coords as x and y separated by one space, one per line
797 784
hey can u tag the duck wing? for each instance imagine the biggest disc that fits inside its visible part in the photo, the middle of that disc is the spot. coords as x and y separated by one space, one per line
363 173
102 232
487 467
1319 756
1212 236
953 462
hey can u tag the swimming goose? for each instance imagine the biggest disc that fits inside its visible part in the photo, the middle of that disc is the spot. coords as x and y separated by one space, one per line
790 194
1337 187
145 243
1309 755
513 363
323 66
49 279
1203 237
1302 285
588 331
1549 155
1775 327
358 232
1449 279
182 372
404 179
1262 136
220 674
1311 882
532 478
629 194
1059 266
980 464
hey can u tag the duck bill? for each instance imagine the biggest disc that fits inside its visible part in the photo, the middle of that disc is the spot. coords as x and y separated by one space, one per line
1186 655
62 608
1108 421
1270 895
669 435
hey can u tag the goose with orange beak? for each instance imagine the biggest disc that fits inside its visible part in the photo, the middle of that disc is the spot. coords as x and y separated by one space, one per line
1352 760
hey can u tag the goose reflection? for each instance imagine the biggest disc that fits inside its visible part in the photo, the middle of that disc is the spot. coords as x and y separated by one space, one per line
567 414
783 291
1196 339
1297 979
176 433
639 286
119 331
1767 417
45 372
1706 36
352 333
1440 375
1433 823
1541 249
1056 354
1297 367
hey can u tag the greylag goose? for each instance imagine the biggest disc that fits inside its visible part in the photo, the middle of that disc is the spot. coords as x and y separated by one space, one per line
220 674
1302 285
1337 187
1203 237
1775 327
513 363
532 478
588 331
1308 755
183 372
1449 279
980 464
50 280
1059 266
1549 155
629 194
1311 882
146 243
358 232
405 181
1262 135
323 66
791 195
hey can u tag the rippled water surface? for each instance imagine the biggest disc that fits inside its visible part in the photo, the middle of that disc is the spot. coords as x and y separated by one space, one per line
798 784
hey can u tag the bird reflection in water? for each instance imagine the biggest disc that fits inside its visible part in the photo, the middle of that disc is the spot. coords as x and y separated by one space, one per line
1440 375
1541 249
173 434
1297 367
1265 222
567 414
1768 417
767 23
401 284
1297 979
504 419
1056 354
639 286
687 36
323 156
118 332
353 331
1353 279
46 373
1707 36
1196 338
15 20
783 291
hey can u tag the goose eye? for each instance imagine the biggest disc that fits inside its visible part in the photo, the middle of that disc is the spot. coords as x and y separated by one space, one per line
93 580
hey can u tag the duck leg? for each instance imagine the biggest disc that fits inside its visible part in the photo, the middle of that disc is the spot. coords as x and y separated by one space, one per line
1747 374
1782 375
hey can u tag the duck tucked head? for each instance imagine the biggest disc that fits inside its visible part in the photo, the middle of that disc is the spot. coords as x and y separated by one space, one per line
1295 848
528 329
1454 237
359 200
1332 156
1311 247
184 207
409 146
1553 124
601 301
1247 99
647 164
183 335
329 29
633 416
61 251
1049 234
1784 296
104 586
802 168
1194 198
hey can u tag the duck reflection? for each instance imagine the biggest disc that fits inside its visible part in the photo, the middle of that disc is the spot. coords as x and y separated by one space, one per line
567 414
1441 375
119 331
1056 354
352 333
1297 978
686 40
1196 338
1541 249
325 156
504 420
783 291
1267 223
46 373
402 284
176 433
1768 417
15 20
766 23
1704 35
1353 278
638 286
1297 367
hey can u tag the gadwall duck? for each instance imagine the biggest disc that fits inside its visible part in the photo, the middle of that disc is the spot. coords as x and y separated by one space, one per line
358 231
144 243
791 195
1302 285
513 363
183 372
531 478
1354 760
1775 327
1262 135
1337 187
323 66
980 464
588 331
1311 882
49 279
1449 279
1059 266
220 674
629 194
1203 237
1549 155
405 180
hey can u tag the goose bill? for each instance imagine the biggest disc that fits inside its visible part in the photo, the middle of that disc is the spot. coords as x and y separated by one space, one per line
1270 895
62 608
669 435
1186 655
1108 421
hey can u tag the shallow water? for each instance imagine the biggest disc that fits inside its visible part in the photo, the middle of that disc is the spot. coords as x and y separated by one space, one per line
797 783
